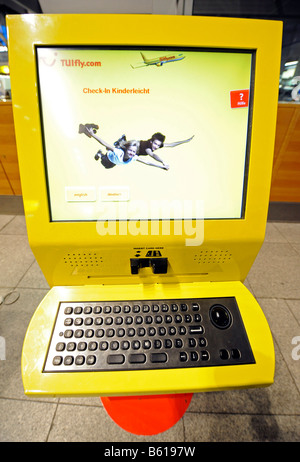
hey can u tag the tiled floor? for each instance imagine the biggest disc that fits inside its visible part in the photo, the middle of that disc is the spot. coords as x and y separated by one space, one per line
268 414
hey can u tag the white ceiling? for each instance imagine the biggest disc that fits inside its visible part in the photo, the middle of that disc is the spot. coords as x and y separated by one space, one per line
117 6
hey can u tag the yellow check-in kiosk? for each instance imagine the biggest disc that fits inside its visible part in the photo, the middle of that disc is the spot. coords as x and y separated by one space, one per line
145 245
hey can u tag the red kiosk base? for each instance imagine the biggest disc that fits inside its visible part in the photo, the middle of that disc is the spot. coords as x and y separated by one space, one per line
147 415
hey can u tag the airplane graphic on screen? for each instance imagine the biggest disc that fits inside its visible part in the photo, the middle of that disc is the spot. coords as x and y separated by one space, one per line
160 60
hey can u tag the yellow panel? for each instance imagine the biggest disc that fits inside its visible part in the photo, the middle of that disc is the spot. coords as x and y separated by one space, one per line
152 381
52 242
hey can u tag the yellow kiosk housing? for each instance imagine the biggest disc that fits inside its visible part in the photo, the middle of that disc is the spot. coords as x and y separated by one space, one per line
145 245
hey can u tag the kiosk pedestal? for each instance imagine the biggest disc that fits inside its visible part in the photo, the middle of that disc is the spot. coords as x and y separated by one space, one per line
147 415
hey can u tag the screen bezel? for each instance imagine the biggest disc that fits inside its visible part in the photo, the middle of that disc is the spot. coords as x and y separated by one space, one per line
162 48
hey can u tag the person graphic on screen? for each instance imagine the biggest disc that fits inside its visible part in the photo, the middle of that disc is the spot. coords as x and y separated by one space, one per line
121 154
157 141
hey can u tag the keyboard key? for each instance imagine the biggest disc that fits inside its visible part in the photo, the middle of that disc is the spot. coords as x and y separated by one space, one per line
114 345
131 332
158 357
120 332
136 344
202 342
103 346
157 344
125 345
68 361
71 346
204 355
178 343
146 344
183 357
57 361
168 343
78 333
139 320
110 333
162 331
151 331
141 332
100 333
194 356
235 353
115 359
68 333
89 333
138 358
136 308
178 318
68 310
91 360
196 330
79 360
68 322
60 346
92 346
82 346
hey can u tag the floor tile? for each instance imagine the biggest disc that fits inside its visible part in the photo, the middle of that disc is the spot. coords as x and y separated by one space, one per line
15 226
4 220
14 320
269 400
25 421
241 428
291 231
276 271
294 306
273 234
284 328
15 259
34 278
86 423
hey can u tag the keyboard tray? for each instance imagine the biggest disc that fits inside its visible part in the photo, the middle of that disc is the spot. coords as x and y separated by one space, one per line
147 334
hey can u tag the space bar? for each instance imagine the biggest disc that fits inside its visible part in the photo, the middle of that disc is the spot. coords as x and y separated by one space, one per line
137 358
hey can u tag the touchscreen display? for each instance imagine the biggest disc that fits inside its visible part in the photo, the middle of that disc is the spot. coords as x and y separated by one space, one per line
141 133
